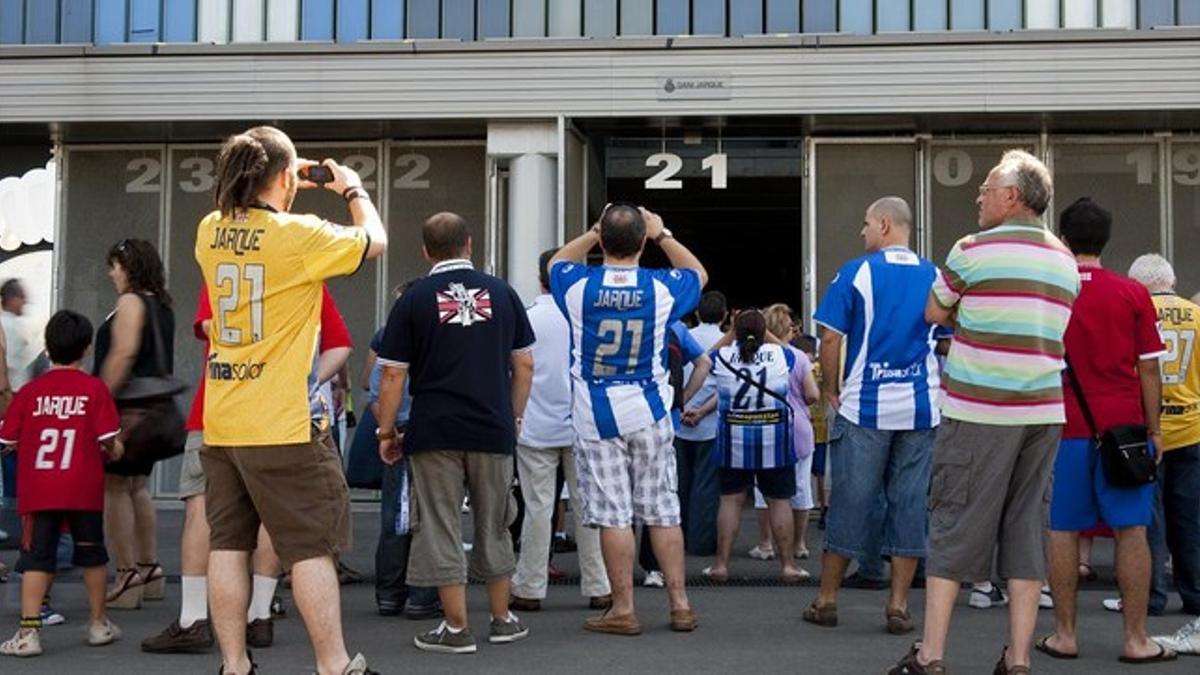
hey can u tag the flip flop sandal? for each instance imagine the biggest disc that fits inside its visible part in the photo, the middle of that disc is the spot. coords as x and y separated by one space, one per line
1043 646
1162 656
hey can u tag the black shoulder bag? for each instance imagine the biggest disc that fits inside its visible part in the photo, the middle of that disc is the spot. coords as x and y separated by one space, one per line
1125 451
152 427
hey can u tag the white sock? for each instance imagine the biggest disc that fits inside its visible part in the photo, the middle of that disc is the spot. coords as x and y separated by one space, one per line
986 587
194 604
454 631
260 600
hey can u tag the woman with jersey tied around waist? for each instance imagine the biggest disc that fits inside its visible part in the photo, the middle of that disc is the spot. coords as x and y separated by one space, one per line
755 435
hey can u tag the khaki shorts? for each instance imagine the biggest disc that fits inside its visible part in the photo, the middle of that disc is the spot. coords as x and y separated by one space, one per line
439 480
191 472
297 492
990 496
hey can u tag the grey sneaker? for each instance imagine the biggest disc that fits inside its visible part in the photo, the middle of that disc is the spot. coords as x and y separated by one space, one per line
509 630
441 639
1186 640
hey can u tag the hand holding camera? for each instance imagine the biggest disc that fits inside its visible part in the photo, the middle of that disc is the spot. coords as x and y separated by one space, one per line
329 175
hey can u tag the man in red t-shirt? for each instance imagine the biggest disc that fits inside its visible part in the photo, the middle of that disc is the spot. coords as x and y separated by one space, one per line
191 632
62 424
1112 345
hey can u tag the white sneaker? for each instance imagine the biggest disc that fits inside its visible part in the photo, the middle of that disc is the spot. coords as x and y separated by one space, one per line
3 536
103 633
654 580
801 553
760 553
1046 601
26 642
1113 605
357 666
981 599
1186 640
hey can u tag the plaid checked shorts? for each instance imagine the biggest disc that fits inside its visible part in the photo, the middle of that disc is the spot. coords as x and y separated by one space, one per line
631 476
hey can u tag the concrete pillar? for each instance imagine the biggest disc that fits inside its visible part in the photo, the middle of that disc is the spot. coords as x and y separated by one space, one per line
532 218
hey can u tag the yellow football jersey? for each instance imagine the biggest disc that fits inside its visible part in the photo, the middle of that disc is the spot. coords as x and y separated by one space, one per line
264 272
1179 321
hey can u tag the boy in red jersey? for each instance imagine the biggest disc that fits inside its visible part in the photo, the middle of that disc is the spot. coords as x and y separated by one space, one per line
60 424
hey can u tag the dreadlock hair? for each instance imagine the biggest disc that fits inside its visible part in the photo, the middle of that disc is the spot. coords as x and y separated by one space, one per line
142 266
750 326
246 164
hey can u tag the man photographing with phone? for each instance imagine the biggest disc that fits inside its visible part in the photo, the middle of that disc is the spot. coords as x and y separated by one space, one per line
263 267
624 448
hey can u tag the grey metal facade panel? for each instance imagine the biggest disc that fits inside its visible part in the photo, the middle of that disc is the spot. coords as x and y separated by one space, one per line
477 84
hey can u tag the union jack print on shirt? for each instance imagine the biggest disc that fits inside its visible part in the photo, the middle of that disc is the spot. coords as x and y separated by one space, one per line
464 306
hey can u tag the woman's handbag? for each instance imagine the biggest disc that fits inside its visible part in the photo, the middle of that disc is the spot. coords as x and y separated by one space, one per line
152 428
1125 451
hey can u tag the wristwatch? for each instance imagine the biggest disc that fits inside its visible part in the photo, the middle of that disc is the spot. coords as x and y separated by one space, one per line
665 234
381 435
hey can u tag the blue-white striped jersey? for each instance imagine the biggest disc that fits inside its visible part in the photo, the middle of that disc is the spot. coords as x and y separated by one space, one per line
754 429
891 378
619 318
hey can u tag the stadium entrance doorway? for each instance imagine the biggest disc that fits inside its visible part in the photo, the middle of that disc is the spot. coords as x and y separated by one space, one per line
736 203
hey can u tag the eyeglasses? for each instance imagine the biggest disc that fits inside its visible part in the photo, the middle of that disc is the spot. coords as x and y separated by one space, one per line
985 188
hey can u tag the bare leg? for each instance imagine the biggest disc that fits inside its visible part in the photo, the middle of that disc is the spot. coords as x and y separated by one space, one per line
617 544
35 585
780 512
668 548
903 571
265 561
145 521
1085 555
315 587
229 597
833 570
729 521
940 595
194 547
498 594
800 528
94 579
119 519
1023 595
764 526
1064 586
454 605
1133 576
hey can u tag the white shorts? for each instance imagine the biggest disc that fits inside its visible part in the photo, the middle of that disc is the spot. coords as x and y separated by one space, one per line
627 477
803 499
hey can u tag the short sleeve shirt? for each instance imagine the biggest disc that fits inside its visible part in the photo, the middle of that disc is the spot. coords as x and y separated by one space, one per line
1113 326
1012 287
264 271
619 318
456 331
1179 320
891 374
690 350
754 430
57 422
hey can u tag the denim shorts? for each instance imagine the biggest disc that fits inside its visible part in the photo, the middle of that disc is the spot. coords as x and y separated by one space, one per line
879 484
1082 496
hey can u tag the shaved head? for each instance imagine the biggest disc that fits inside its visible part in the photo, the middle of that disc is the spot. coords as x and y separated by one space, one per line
895 209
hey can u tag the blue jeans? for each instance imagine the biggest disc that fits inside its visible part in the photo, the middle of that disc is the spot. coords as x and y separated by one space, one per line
699 494
865 464
391 553
1176 528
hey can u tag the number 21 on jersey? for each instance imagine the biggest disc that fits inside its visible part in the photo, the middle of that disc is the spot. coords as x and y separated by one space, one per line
239 286
1175 363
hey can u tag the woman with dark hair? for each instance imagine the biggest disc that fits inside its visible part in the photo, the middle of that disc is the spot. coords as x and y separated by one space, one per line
755 438
126 348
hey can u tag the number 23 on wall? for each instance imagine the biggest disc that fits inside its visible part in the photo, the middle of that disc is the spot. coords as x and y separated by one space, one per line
670 163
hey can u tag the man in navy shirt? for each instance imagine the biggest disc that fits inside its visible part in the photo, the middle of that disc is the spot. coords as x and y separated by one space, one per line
463 340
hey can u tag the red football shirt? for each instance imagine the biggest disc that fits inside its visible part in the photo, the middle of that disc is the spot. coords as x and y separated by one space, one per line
57 421
1113 326
334 334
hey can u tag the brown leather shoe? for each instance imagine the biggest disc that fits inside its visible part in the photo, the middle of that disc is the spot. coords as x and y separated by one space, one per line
899 622
822 616
260 633
524 604
614 624
195 639
683 620
600 602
